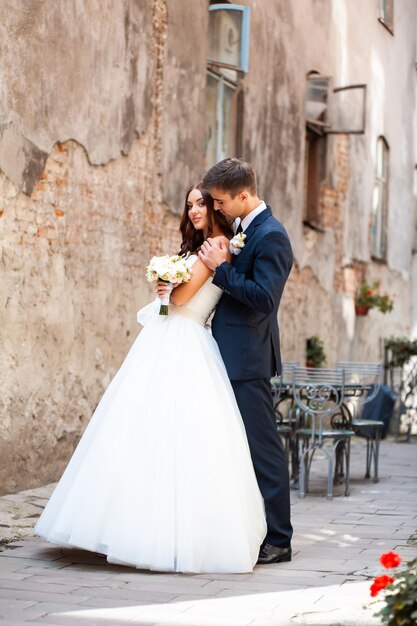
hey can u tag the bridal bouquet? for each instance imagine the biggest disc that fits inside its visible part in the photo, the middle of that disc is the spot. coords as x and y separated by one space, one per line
171 269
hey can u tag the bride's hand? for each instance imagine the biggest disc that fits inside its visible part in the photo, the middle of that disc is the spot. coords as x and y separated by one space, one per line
163 288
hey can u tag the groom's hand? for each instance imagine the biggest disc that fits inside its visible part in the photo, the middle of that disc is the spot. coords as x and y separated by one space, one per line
214 253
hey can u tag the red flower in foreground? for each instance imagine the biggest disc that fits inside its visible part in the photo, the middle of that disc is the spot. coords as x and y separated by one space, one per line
380 583
390 559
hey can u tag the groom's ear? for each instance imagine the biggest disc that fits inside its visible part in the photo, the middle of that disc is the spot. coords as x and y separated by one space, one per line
243 196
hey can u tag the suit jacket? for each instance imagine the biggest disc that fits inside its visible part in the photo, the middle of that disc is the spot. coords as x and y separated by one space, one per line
245 324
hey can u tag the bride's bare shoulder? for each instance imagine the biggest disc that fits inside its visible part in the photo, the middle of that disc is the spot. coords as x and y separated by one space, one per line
220 238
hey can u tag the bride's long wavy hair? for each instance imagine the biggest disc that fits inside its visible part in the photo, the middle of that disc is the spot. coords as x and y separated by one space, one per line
192 238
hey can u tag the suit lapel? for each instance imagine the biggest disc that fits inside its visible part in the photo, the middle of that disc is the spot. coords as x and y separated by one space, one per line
258 220
250 231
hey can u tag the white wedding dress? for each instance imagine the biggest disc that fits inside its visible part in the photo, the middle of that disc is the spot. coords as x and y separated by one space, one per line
162 478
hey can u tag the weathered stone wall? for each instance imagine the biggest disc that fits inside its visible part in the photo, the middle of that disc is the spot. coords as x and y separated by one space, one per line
79 70
72 280
414 260
102 120
343 40
86 169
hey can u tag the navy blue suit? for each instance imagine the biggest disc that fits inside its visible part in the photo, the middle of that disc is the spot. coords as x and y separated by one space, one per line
245 327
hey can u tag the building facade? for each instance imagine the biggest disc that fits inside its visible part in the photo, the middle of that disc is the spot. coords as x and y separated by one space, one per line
108 111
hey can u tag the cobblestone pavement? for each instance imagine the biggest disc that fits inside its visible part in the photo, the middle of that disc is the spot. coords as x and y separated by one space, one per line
336 548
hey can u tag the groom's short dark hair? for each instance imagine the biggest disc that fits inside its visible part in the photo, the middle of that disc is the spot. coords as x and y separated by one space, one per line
231 175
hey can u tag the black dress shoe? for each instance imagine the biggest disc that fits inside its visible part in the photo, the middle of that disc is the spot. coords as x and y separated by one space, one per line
274 554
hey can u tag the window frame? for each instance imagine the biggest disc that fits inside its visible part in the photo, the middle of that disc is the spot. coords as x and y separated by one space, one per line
315 158
346 131
414 248
319 126
387 22
245 35
326 126
382 182
222 81
315 167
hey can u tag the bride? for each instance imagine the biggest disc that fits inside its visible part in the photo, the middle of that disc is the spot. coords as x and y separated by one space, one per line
162 477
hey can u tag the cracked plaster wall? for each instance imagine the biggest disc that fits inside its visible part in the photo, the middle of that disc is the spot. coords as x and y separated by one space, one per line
90 140
102 118
73 70
344 40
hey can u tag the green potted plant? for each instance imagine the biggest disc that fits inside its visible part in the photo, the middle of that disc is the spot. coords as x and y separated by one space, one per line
369 296
315 354
402 349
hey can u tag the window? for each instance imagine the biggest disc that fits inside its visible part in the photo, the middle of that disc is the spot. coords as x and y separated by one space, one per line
315 167
221 117
386 14
316 101
315 146
229 36
348 110
343 111
338 111
228 61
415 210
380 201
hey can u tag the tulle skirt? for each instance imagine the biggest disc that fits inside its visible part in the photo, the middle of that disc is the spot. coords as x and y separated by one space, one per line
162 478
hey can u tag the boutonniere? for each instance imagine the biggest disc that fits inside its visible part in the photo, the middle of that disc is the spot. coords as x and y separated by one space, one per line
237 243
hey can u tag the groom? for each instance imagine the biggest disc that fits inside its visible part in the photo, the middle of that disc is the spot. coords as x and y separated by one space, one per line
246 330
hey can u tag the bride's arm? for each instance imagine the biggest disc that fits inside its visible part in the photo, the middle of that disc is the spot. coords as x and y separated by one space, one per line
200 272
183 293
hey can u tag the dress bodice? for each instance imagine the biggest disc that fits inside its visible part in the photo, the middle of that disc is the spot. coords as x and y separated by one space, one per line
203 302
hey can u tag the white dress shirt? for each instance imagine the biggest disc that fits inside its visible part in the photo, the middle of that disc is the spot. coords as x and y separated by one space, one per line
249 218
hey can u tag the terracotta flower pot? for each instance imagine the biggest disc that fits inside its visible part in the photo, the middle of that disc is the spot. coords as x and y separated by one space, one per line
361 309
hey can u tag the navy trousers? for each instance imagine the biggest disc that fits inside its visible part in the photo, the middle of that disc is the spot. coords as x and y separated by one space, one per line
255 403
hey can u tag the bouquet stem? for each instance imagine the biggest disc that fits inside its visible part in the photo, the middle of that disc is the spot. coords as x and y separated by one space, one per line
163 310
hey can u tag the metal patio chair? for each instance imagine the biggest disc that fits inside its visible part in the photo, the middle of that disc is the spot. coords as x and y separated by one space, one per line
282 384
319 394
282 391
368 378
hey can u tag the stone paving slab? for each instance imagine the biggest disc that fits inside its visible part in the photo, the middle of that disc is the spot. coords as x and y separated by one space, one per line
336 549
